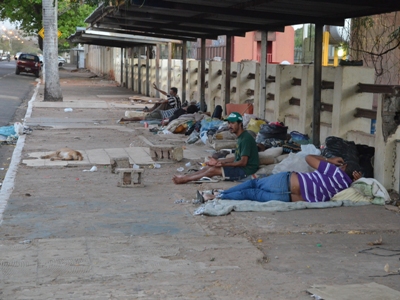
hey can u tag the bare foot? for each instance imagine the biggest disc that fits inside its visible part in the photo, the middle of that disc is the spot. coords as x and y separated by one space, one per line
179 179
208 197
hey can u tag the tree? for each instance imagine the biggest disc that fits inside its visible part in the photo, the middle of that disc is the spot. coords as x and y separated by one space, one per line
28 16
376 41
52 88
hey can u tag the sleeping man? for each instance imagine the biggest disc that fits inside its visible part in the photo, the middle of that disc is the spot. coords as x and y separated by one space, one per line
331 176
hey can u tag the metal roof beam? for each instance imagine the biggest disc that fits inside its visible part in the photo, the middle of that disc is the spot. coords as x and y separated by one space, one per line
131 15
233 12
175 33
141 33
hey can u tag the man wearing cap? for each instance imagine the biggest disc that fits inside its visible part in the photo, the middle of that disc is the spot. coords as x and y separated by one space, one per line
244 163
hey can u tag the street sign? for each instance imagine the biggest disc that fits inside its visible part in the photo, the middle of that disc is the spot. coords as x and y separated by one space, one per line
41 33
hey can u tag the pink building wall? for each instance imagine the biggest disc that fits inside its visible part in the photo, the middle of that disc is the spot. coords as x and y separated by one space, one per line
280 46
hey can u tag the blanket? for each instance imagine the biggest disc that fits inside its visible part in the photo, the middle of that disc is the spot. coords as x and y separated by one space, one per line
366 191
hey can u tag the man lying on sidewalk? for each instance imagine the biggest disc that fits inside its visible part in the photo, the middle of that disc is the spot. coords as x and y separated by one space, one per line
244 163
331 176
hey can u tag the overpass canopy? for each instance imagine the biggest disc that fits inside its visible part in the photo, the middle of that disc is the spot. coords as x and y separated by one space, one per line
192 19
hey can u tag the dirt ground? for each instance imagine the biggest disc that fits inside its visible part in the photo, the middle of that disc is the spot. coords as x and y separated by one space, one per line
244 255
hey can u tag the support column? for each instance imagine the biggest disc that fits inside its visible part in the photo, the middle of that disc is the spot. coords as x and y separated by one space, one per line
263 75
147 70
169 65
184 67
133 68
126 67
139 71
158 69
202 74
122 67
228 61
316 124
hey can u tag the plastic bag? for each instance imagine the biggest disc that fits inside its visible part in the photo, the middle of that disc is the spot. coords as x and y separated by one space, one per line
18 128
247 118
272 130
338 147
7 130
300 138
254 125
296 162
209 123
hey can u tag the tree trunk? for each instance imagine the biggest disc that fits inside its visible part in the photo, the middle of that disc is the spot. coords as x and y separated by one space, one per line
52 88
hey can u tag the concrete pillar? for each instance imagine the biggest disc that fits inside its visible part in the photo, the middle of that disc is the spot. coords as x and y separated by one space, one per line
261 80
387 150
158 69
148 70
133 69
169 65
346 100
139 70
307 101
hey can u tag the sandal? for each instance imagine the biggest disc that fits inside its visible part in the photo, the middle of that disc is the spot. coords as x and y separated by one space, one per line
199 197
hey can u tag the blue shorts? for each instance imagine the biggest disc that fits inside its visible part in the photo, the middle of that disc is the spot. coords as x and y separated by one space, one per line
234 173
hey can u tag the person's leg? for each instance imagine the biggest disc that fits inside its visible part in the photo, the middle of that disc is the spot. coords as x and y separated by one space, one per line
153 108
206 172
133 119
274 187
250 184
160 106
155 115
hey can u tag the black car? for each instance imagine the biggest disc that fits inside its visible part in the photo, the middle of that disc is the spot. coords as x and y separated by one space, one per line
28 63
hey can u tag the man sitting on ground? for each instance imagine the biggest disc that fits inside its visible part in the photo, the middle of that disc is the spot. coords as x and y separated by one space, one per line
245 162
172 101
332 175
161 110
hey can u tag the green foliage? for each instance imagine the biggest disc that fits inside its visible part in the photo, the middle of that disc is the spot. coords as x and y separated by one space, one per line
298 37
28 15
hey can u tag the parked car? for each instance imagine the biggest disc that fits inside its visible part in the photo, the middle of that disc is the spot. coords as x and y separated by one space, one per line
61 61
28 63
17 55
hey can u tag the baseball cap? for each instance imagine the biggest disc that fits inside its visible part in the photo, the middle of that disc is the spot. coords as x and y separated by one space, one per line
234 117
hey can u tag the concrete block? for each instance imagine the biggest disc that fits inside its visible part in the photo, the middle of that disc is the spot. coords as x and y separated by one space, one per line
159 153
119 163
129 177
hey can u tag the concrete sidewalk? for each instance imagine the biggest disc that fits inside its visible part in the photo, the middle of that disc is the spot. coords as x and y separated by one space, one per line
69 234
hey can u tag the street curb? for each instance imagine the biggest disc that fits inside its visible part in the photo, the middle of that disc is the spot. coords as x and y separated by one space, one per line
8 182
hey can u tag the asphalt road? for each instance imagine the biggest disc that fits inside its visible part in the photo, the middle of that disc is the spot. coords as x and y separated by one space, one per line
14 90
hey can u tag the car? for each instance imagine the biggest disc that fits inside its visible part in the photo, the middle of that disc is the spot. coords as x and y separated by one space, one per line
17 55
28 63
61 61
